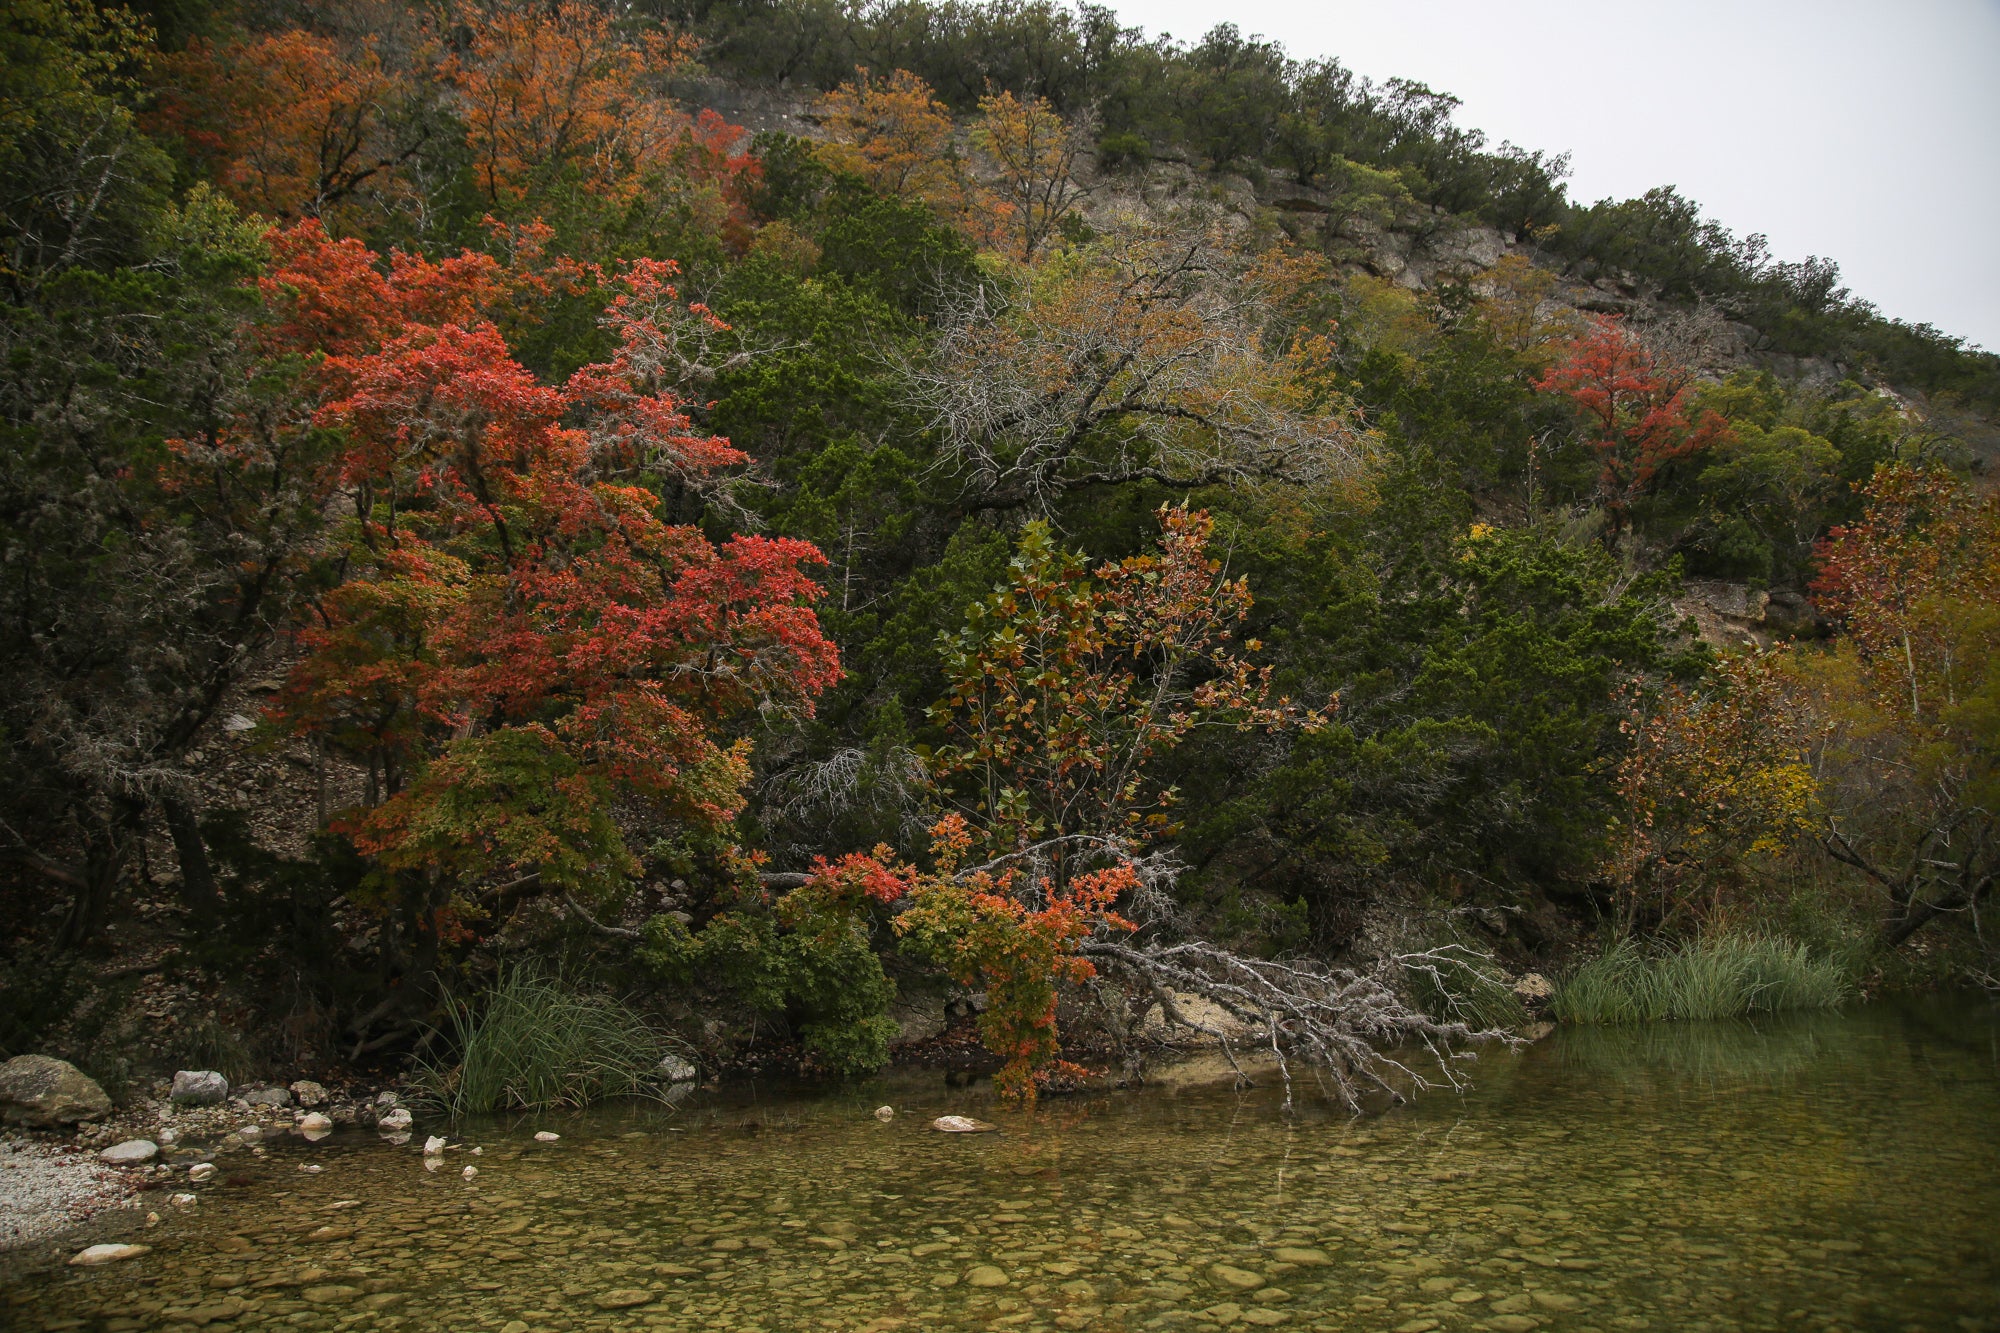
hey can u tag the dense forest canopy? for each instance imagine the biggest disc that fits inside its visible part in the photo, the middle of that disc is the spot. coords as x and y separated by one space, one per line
1049 515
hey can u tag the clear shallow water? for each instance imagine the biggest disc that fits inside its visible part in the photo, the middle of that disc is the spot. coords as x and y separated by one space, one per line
1806 1173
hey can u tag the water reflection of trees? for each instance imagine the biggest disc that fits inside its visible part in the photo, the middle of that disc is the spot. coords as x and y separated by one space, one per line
1770 1051
1777 1051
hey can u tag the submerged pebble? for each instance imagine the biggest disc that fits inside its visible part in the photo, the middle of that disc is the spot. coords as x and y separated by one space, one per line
108 1254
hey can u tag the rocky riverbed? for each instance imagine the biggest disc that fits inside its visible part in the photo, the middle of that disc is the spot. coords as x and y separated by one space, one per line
1828 1173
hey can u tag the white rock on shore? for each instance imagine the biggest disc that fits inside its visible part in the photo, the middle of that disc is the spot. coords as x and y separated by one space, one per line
199 1087
132 1152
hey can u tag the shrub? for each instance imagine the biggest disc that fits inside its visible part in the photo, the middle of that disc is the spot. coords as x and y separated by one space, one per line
1123 152
536 1041
1723 976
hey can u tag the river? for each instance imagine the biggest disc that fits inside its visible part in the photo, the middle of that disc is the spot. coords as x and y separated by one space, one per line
1832 1171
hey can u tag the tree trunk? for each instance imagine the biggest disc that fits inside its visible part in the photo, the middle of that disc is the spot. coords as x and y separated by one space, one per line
107 850
197 876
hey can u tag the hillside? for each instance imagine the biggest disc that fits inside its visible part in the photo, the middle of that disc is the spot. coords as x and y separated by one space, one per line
814 522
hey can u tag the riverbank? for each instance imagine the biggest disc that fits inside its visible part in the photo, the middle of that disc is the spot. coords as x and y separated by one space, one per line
55 1182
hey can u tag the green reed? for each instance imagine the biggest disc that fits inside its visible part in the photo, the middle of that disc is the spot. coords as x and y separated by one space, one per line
536 1041
1722 976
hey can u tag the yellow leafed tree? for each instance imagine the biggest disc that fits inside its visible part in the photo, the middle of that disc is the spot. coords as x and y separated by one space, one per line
1034 152
1716 775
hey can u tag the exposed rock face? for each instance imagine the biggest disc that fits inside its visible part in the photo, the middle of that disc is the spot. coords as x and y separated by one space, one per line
40 1091
1738 601
918 1017
1195 1009
200 1087
1735 615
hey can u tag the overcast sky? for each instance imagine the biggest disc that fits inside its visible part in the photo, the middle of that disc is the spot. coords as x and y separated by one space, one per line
1868 133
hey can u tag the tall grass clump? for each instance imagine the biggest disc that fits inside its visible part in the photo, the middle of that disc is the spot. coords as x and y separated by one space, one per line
537 1041
1723 976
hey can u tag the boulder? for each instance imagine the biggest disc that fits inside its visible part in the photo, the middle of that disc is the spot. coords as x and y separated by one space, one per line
962 1124
199 1087
396 1121
918 1017
40 1092
309 1093
676 1070
132 1152
1194 1009
1534 986
269 1097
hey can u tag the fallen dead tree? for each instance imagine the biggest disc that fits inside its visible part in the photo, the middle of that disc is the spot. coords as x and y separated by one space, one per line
1346 1027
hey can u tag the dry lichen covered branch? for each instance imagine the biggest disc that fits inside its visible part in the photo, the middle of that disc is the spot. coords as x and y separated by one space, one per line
1348 1027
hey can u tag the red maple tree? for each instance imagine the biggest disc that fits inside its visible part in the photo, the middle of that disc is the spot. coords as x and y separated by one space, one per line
1636 408
527 657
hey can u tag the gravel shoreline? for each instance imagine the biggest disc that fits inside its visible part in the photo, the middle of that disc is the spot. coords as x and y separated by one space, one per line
53 1182
49 1189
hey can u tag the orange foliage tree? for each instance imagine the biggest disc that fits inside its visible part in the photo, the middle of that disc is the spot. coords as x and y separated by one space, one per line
1717 773
1064 685
1916 586
1636 409
559 93
291 124
896 135
1914 583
